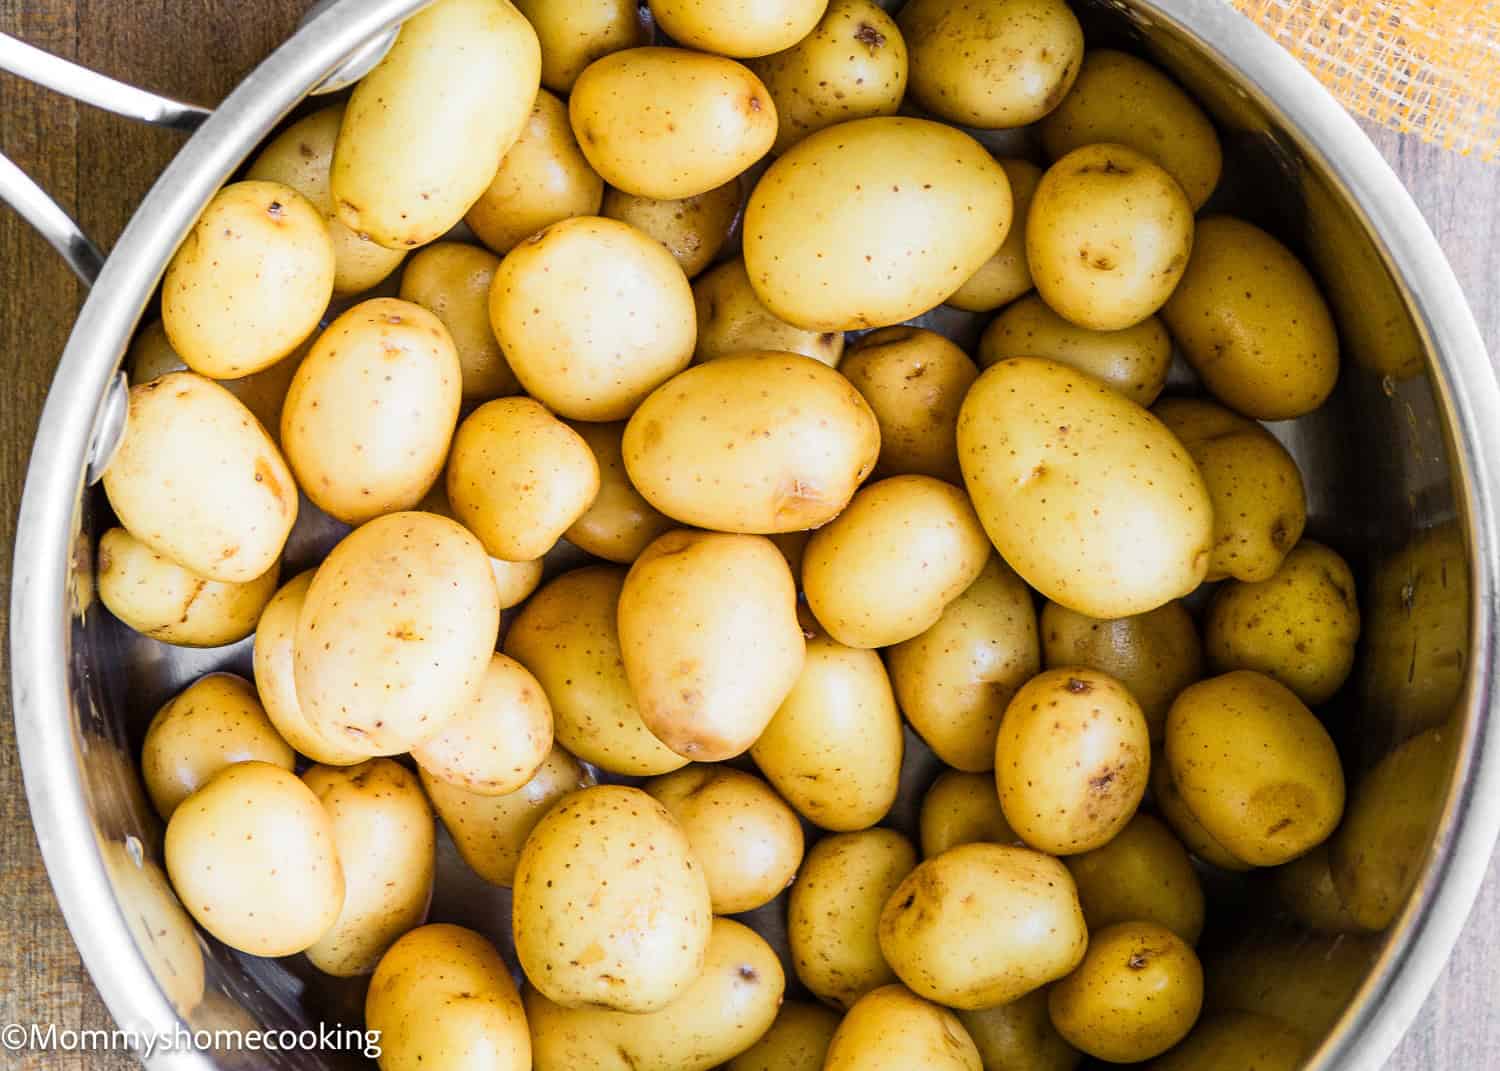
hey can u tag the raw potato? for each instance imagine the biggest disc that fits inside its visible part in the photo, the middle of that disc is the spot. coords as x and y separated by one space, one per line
1144 875
884 570
1087 495
954 680
728 28
1019 1036
395 633
593 316
1260 507
721 1013
1300 626
1007 274
1304 980
424 132
830 247
198 480
914 381
1278 790
983 924
731 319
620 523
543 179
1238 1041
489 831
1137 993
372 409
249 282
518 478
755 442
442 999
576 34
748 840
452 281
215 722
1072 760
163 932
1251 322
893 1030
852 65
252 856
382 828
797 1041
601 920
514 581
495 745
709 634
1174 811
833 914
693 229
834 748
1305 888
1126 101
568 636
1107 237
1134 360
161 599
962 808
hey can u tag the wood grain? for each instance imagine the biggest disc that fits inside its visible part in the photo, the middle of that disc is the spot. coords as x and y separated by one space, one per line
100 167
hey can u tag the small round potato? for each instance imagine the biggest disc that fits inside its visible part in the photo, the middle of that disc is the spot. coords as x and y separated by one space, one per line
1137 993
494 745
1238 1041
1144 875
962 808
797 1041
253 858
1007 274
726 27
914 381
1305 888
1304 980
731 319
593 315
620 523
693 229
1019 1036
892 1029
452 281
574 35
833 913
1174 811
748 840
1255 767
518 478
611 908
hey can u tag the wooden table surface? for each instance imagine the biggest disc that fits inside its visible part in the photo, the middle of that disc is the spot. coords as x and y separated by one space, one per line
100 167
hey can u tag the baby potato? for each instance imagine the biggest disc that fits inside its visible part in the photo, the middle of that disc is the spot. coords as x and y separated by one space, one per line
1276 789
1087 495
953 680
395 632
213 723
494 745
1238 1041
1019 1036
725 27
834 748
1303 980
1174 811
620 523
1029 932
1260 507
489 831
668 123
544 178
1107 237
892 1029
1123 100
574 35
852 65
709 634
797 1041
1251 322
731 319
514 581
1007 274
452 281
833 913
424 132
568 636
1134 360
382 828
1137 993
1000 64
914 381
252 857
693 229
1299 627
830 247
518 478
748 840
198 480
442 999
1143 875
1060 806
616 317
600 920
162 931
371 410
1305 888
755 442
962 808
249 282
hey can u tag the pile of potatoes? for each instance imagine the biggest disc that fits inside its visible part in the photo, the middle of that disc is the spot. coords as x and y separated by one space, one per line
533 295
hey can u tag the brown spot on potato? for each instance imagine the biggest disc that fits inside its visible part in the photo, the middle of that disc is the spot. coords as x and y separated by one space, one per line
869 36
1079 687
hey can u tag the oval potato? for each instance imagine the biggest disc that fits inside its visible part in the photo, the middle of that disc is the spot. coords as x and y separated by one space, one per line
797 1041
693 229
1007 274
1174 811
731 28
619 523
1142 875
574 35
732 319
452 281
962 808
493 746
1019 1036
892 1029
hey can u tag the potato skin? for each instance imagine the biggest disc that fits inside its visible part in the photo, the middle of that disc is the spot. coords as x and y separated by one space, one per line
797 1040
892 1029
962 808
574 35
732 319
1238 1041
736 29
693 229
1019 1036
1006 275
452 281
494 746
1174 811
619 523
1143 874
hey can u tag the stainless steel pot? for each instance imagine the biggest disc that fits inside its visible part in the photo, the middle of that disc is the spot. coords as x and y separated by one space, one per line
1405 458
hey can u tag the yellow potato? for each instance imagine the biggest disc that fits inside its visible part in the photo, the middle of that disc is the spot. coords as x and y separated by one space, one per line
1019 1036
1143 874
797 1041
620 523
1238 1041
452 281
731 28
593 316
693 229
372 409
574 35
514 581
962 808
424 132
891 1029
382 828
601 920
731 319
1087 495
830 247
495 745
163 932
1303 980
1305 888
953 680
1007 274
669 123
1174 811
